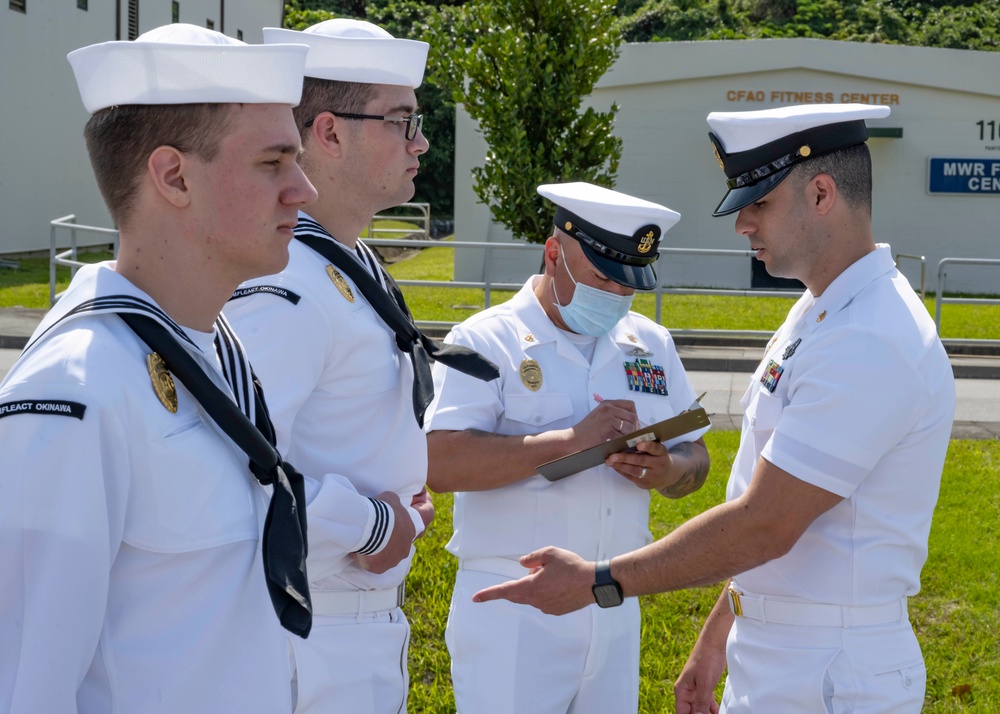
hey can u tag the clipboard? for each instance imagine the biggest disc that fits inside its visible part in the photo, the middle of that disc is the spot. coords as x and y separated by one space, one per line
661 431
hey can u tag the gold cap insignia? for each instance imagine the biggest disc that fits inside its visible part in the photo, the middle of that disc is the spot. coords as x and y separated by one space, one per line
163 383
339 281
568 226
531 375
822 316
631 337
529 337
805 150
646 242
715 150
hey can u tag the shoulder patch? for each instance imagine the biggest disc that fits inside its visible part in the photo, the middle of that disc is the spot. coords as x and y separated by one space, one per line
271 289
56 407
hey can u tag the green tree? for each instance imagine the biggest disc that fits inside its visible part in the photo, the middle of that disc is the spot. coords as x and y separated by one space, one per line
436 182
522 68
975 27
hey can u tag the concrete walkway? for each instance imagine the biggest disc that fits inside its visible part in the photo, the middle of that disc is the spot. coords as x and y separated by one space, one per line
719 364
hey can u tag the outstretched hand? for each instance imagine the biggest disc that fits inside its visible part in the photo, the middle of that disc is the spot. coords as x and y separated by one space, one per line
559 582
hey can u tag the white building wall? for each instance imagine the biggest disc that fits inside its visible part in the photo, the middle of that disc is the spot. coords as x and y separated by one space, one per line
44 169
665 90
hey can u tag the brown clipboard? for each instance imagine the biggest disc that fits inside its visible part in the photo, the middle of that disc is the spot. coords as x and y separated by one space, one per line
661 431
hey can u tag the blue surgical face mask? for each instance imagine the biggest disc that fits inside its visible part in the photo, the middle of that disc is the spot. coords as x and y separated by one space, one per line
592 311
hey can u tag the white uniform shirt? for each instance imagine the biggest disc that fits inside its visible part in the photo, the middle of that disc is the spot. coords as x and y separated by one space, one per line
132 580
596 513
339 393
862 405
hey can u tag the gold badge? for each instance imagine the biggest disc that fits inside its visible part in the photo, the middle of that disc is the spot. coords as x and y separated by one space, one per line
805 150
822 316
531 375
163 383
631 337
339 281
529 338
568 226
646 242
715 150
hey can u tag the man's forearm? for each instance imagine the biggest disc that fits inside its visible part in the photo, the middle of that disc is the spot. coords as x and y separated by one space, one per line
692 460
474 460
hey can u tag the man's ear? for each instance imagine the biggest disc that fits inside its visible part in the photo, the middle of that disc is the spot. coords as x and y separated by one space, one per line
327 132
822 193
550 253
167 168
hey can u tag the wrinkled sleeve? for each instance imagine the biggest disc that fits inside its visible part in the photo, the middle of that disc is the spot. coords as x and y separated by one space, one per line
846 410
63 491
462 402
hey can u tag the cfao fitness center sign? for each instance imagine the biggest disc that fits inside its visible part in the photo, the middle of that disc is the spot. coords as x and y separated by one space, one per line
975 176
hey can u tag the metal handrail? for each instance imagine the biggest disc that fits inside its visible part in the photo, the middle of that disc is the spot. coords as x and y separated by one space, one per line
68 257
942 277
424 218
923 271
659 291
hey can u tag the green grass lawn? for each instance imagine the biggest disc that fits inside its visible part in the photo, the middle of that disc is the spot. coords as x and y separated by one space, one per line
956 615
29 287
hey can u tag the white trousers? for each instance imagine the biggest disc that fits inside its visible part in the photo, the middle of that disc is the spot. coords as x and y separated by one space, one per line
513 659
777 668
353 663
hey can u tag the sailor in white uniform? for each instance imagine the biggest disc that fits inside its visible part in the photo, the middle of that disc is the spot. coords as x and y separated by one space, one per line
339 387
577 368
129 556
847 422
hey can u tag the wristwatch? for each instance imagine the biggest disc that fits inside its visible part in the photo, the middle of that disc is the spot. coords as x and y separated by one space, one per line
607 591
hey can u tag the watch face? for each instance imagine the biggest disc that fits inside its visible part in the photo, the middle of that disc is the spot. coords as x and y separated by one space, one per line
607 595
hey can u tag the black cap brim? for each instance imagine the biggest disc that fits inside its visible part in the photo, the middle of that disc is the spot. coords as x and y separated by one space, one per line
639 277
742 197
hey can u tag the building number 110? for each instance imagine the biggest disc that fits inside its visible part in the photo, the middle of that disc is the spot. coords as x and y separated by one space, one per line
991 126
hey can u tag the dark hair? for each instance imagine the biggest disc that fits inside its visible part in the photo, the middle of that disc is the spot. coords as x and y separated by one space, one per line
851 170
121 138
327 95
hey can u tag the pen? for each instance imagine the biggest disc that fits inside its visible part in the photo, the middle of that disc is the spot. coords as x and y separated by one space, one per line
638 424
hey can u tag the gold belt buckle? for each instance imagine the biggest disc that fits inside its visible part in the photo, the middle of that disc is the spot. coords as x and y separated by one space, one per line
734 599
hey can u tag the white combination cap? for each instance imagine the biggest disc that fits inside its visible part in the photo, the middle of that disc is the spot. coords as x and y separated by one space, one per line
357 51
187 64
757 149
619 234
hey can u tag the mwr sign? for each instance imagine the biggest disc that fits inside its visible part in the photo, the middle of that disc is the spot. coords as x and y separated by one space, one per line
965 176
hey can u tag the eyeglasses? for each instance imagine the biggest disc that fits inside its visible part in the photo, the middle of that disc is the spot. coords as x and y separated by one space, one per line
413 121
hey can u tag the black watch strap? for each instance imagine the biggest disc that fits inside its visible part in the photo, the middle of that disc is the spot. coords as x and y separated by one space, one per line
607 591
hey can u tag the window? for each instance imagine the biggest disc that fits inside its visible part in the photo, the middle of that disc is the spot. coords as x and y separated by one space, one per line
210 24
175 11
81 4
19 5
133 19
239 34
